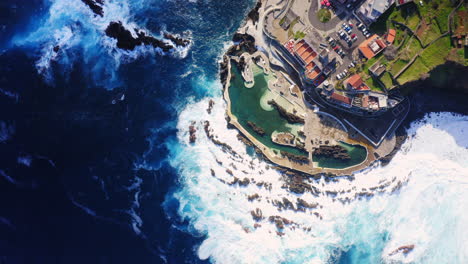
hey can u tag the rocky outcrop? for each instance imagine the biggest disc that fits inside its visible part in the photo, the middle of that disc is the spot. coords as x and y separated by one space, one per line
279 221
253 14
295 158
126 41
291 118
244 140
245 43
403 249
192 131
257 214
256 128
223 71
95 6
305 205
253 197
243 182
210 106
285 204
336 152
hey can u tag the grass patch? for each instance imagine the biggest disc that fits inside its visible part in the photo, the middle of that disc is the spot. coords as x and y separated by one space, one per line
430 33
436 53
386 79
324 15
374 84
397 66
410 49
299 35
413 72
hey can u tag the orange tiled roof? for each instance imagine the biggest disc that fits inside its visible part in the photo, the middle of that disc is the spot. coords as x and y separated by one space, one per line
310 58
298 44
306 52
313 74
301 49
310 66
341 98
391 35
355 81
364 47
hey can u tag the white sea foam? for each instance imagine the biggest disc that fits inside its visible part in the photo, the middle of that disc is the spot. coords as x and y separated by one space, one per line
75 29
420 199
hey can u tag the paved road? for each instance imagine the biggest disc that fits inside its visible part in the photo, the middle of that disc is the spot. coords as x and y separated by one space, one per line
330 25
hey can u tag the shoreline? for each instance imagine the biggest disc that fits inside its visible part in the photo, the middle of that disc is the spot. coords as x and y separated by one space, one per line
416 96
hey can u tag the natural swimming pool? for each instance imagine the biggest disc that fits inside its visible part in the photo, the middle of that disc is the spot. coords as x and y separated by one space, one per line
357 153
248 104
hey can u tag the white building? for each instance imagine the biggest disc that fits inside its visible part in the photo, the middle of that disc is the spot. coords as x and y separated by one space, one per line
370 10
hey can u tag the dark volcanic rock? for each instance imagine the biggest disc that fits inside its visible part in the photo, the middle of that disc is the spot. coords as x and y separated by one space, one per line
192 131
246 43
210 106
256 128
292 118
336 152
253 14
95 6
126 41
257 215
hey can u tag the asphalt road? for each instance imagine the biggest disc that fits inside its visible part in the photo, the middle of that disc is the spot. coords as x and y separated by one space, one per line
330 25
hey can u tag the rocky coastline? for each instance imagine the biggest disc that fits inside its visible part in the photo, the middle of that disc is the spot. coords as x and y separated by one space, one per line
429 95
125 39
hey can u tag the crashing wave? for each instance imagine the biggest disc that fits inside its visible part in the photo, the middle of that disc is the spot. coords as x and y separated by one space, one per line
100 33
243 207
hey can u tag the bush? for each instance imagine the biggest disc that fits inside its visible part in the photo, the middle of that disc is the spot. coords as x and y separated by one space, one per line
324 15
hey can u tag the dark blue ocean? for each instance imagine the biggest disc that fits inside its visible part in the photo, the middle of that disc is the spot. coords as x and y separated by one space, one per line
84 135
96 164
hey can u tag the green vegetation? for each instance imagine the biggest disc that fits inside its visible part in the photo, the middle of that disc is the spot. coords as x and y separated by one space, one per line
299 35
386 79
410 49
374 84
291 26
324 15
436 53
429 32
414 72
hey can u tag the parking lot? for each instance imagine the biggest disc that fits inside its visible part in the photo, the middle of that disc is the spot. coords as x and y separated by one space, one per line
347 37
343 13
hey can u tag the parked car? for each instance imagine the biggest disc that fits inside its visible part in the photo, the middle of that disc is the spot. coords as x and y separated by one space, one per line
360 25
345 71
344 25
353 35
350 24
351 65
348 6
